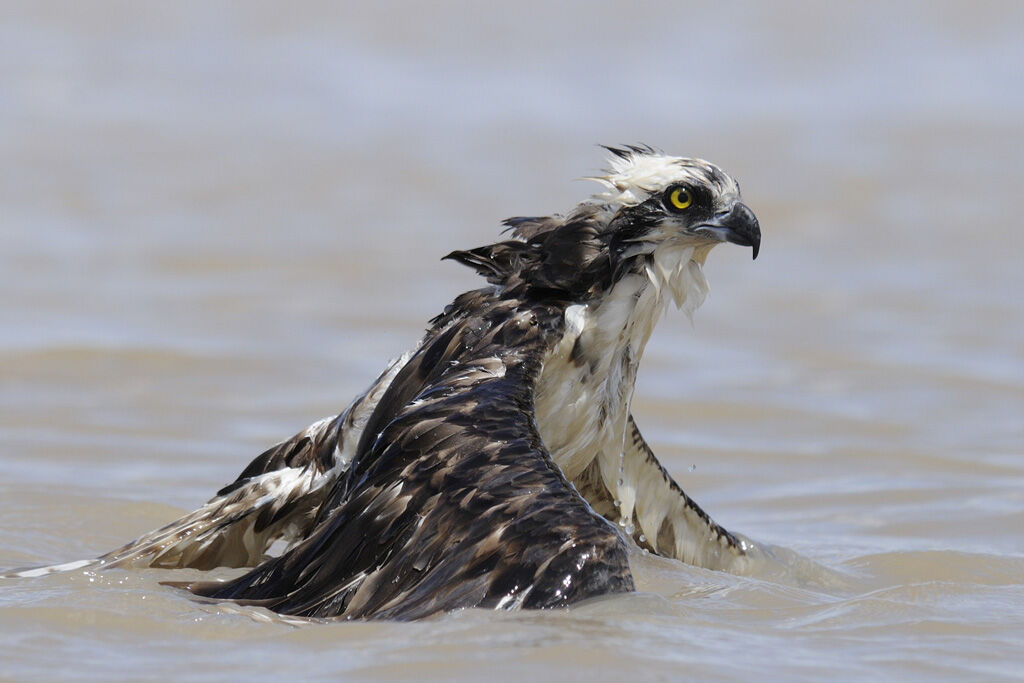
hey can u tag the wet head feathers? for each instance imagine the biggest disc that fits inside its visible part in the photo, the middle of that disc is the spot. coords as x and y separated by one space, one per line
630 226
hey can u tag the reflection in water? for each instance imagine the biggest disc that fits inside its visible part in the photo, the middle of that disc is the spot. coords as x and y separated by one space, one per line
218 222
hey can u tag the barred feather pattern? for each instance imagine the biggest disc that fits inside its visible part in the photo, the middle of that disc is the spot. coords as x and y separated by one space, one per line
274 498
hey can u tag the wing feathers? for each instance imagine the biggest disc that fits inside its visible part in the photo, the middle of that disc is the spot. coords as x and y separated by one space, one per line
441 514
673 524
275 497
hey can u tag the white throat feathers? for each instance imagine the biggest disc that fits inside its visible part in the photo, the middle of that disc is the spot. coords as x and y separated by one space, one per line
586 386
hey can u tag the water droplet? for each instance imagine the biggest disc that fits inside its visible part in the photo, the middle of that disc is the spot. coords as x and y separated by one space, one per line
621 481
618 503
693 467
643 539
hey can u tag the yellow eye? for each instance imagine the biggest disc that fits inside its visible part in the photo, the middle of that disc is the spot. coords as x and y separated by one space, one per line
680 198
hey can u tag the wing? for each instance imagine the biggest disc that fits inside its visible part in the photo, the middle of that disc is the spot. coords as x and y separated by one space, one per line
274 498
455 503
669 522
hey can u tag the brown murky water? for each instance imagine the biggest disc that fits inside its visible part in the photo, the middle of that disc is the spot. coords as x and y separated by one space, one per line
218 221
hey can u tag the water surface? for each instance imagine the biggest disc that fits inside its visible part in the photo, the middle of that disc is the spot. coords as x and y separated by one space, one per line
219 221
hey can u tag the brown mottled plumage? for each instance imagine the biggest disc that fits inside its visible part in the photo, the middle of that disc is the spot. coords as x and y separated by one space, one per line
456 492
497 464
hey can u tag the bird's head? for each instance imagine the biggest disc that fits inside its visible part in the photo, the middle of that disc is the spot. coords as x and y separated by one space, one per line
658 216
657 200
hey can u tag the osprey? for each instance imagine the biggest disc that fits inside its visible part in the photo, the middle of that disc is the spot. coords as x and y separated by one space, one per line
496 464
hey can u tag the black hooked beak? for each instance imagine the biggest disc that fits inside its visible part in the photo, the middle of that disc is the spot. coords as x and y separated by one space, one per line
738 225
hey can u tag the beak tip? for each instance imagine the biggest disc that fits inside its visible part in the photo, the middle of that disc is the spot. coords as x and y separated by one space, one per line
740 226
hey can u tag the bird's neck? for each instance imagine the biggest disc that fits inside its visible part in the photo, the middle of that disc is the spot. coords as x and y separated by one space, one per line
621 322
586 384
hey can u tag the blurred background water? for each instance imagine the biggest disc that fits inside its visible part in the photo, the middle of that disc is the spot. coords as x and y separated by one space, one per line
218 220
